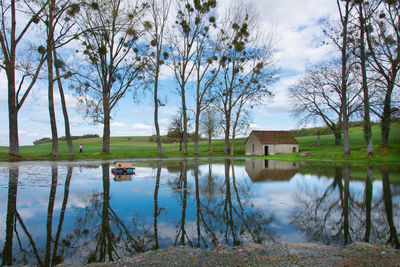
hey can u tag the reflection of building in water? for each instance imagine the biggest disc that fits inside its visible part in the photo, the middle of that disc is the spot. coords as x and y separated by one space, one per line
270 170
122 177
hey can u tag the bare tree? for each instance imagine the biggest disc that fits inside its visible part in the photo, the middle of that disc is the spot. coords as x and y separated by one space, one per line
183 47
175 130
341 36
206 65
111 30
247 67
344 19
384 46
155 28
210 124
317 96
11 35
57 19
364 12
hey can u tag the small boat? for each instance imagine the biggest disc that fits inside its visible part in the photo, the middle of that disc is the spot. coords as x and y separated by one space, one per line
123 167
120 171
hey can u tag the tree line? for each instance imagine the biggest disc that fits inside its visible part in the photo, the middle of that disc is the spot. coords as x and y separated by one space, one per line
105 50
362 77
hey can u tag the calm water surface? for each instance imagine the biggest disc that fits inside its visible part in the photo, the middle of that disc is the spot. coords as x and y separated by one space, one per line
54 213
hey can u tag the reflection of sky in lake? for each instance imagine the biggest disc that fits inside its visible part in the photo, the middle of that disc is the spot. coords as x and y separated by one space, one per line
133 200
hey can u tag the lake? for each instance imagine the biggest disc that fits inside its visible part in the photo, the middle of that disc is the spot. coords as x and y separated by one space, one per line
79 212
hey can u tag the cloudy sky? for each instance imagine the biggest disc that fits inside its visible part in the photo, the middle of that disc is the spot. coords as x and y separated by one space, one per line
298 29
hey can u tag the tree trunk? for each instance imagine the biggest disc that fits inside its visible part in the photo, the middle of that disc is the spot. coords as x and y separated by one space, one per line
106 130
232 151
344 59
367 120
209 144
196 132
12 99
50 77
64 108
233 141
185 122
156 125
338 138
226 147
12 112
227 133
386 120
13 173
346 137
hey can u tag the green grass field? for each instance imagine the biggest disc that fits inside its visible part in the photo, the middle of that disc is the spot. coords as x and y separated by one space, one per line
142 147
329 151
121 147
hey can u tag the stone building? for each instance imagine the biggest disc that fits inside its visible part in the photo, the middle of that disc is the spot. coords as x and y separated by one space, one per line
270 143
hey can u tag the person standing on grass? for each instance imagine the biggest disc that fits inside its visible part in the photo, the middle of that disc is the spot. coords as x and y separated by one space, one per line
80 148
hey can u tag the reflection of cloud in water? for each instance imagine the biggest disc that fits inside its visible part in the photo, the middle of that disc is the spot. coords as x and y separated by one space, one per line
29 207
141 189
166 230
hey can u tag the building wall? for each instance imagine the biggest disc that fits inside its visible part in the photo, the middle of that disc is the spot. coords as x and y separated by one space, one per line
272 149
285 148
258 147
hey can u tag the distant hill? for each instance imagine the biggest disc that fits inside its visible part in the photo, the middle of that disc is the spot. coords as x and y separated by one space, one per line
63 138
325 130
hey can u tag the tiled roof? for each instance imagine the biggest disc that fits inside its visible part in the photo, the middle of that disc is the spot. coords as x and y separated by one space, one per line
275 137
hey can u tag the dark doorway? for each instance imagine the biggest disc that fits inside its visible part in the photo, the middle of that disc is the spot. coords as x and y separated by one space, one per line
266 150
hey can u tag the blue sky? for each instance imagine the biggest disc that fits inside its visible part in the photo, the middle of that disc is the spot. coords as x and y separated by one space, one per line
298 29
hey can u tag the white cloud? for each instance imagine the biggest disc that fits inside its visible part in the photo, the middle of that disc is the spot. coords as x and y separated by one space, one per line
140 129
119 124
140 111
166 73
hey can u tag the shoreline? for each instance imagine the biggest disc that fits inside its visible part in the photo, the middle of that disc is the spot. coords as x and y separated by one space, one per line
276 254
112 156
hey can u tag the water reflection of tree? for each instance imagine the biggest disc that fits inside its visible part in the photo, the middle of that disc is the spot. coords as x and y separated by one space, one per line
157 210
100 235
13 173
14 218
180 186
338 216
224 211
244 221
387 198
231 215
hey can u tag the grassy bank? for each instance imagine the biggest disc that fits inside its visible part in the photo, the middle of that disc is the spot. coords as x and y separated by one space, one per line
143 147
120 147
328 151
